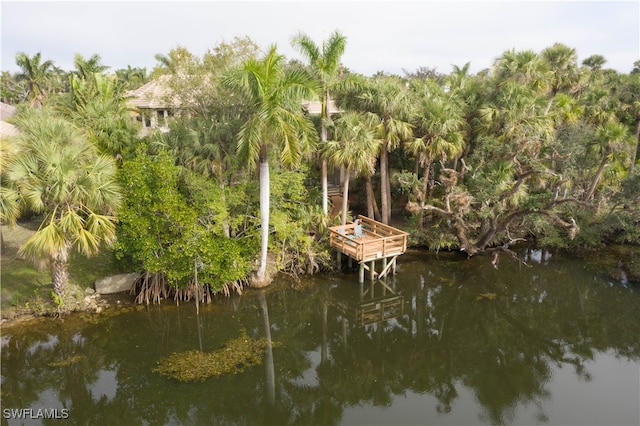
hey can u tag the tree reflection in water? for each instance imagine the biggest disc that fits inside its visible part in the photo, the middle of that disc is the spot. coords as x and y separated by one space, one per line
332 358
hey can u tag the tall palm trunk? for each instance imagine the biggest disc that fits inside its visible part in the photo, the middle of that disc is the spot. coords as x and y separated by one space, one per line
426 172
384 179
264 214
345 196
596 179
60 270
372 205
323 164
423 192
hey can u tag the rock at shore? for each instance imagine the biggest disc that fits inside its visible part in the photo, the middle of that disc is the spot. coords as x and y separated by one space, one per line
116 283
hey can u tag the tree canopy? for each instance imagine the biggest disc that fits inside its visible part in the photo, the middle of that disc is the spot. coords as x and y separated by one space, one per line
538 147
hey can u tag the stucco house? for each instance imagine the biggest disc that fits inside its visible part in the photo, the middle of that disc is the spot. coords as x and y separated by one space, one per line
315 107
7 129
154 103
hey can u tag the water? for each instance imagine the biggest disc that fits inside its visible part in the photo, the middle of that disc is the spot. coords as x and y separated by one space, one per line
549 342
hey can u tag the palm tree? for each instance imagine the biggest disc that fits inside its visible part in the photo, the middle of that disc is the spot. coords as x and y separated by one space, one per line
85 68
440 124
11 206
276 121
392 105
36 74
594 62
96 104
355 149
524 67
470 91
630 108
562 63
609 139
600 106
131 78
179 60
58 173
325 65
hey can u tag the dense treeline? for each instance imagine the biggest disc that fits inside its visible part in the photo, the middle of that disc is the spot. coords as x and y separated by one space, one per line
538 147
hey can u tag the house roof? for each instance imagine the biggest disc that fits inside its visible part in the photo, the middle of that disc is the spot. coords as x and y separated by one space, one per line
7 129
155 94
6 111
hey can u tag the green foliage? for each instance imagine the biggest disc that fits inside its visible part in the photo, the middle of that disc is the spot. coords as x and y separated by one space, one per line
95 103
295 223
173 222
16 299
406 183
57 300
36 76
517 151
622 227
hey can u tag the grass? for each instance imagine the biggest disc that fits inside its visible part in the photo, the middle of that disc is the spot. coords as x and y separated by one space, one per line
24 287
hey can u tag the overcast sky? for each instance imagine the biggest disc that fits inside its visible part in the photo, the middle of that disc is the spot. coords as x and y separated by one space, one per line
381 35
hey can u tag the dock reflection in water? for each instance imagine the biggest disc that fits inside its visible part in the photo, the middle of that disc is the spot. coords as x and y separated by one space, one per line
446 341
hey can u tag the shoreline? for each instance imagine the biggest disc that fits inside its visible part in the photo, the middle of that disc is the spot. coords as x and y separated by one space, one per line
77 301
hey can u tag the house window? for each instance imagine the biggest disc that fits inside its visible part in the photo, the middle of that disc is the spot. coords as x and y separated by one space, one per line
161 118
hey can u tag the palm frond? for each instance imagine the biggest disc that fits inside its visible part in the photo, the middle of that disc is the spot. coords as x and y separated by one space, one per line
48 240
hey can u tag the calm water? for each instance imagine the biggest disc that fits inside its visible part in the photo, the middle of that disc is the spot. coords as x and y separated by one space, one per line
461 343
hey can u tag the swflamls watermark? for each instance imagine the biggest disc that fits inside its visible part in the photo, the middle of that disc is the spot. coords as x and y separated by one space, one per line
31 413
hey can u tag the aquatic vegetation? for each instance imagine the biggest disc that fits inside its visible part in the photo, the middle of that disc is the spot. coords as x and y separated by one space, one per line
237 355
486 296
68 361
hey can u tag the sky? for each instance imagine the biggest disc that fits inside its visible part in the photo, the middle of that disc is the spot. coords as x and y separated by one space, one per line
388 36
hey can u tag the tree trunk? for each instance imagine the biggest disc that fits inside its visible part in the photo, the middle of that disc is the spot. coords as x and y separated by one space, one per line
634 154
264 214
596 179
325 187
423 193
60 271
372 205
384 178
345 196
323 164
387 188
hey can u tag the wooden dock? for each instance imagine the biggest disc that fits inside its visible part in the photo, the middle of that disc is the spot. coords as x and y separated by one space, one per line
378 242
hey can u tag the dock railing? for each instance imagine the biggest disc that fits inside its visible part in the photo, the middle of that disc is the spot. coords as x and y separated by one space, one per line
378 240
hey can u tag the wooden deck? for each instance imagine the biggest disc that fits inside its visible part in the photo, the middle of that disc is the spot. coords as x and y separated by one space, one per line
379 241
